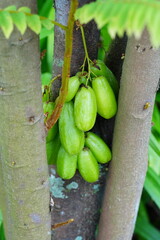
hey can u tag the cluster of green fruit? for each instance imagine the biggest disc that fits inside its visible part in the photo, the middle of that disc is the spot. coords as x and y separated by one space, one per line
70 145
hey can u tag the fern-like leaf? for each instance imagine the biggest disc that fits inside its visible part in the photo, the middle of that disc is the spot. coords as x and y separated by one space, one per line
19 19
6 23
23 18
11 8
124 16
34 23
24 9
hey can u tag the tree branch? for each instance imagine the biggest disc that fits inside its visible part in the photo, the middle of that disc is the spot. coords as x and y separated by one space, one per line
66 66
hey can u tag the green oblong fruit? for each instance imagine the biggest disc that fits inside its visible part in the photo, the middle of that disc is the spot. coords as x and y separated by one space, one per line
66 164
85 108
71 137
98 147
48 108
106 101
88 166
52 149
73 86
98 68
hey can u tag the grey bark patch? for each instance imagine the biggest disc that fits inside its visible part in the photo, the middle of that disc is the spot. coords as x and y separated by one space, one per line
21 202
36 218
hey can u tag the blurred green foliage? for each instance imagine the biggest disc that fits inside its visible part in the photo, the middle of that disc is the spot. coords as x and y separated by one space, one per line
2 237
147 224
45 8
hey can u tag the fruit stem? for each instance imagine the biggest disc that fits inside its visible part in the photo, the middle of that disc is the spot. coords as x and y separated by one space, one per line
83 66
66 67
86 54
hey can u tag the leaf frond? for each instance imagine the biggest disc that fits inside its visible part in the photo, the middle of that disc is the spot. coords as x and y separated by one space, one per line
23 18
124 16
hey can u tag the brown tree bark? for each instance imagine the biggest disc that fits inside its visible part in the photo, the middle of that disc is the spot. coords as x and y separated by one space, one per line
127 170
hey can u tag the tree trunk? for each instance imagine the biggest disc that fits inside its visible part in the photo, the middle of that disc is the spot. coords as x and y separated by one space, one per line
127 170
74 198
23 167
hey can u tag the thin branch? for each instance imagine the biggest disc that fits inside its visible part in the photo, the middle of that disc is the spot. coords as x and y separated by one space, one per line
66 67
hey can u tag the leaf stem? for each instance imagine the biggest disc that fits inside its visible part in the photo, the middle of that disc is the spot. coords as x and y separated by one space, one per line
54 22
66 67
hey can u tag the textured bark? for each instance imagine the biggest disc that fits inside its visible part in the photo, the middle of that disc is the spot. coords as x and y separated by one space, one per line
80 200
23 165
92 36
127 170
115 56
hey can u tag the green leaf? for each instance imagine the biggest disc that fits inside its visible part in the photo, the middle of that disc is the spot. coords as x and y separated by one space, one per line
24 9
153 28
85 13
156 119
138 24
46 78
50 45
0 217
142 212
11 8
154 144
45 33
19 19
116 18
34 23
152 186
145 229
158 96
47 24
124 16
104 14
122 20
47 5
6 23
131 18
106 37
154 161
2 237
